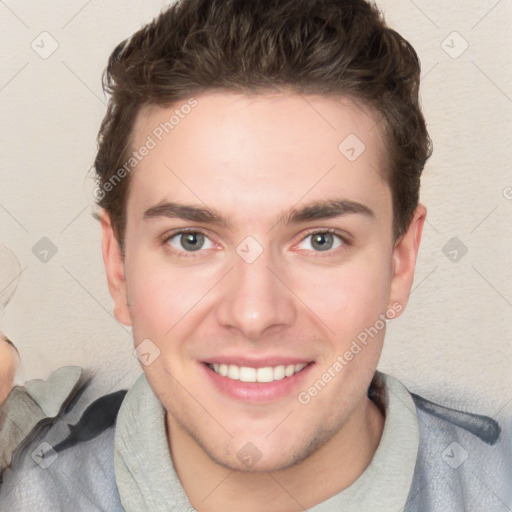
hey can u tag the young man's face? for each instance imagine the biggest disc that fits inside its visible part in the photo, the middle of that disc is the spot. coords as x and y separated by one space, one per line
260 294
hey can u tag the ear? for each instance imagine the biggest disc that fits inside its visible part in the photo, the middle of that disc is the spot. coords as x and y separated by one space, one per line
114 267
404 259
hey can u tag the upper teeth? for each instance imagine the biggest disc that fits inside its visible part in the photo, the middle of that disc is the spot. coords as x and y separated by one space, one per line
247 374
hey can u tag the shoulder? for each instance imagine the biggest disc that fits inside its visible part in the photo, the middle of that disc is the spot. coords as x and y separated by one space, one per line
67 461
464 460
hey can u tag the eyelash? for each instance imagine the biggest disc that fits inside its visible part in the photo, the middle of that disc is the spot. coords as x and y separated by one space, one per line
190 254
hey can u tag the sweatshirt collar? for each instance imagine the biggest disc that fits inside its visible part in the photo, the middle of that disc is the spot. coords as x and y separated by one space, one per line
147 480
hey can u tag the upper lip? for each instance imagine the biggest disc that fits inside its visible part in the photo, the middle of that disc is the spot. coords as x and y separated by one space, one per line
257 362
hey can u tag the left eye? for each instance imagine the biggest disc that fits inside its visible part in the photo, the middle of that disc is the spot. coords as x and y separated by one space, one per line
189 240
323 241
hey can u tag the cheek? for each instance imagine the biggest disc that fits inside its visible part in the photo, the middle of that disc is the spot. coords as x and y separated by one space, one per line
153 298
351 297
162 296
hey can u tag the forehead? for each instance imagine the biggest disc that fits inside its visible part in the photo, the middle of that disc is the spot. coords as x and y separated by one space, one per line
266 150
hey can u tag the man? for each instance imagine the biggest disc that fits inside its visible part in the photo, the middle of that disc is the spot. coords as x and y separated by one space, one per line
258 177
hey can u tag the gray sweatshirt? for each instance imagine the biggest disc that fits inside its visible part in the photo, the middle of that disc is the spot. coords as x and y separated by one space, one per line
95 456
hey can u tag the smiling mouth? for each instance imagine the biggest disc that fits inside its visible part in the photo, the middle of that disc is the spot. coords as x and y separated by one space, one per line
248 374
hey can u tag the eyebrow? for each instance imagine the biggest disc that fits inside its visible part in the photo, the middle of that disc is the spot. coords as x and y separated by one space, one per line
317 210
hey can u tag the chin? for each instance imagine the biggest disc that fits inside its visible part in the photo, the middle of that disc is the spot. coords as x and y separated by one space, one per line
262 456
259 463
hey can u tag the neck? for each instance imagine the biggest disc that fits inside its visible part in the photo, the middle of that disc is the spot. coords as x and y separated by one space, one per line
337 464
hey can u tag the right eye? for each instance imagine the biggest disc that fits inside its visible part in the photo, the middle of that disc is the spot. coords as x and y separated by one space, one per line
188 241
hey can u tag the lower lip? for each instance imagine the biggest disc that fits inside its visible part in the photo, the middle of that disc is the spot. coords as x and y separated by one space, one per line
257 392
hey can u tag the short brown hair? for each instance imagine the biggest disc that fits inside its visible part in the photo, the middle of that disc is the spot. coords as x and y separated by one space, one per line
329 47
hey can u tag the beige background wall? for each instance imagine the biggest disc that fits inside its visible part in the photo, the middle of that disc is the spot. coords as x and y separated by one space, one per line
455 339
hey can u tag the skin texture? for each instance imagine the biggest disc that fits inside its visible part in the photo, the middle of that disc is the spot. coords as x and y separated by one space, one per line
8 365
253 159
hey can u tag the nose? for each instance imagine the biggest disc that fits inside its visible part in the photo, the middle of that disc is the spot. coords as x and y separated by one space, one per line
256 298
